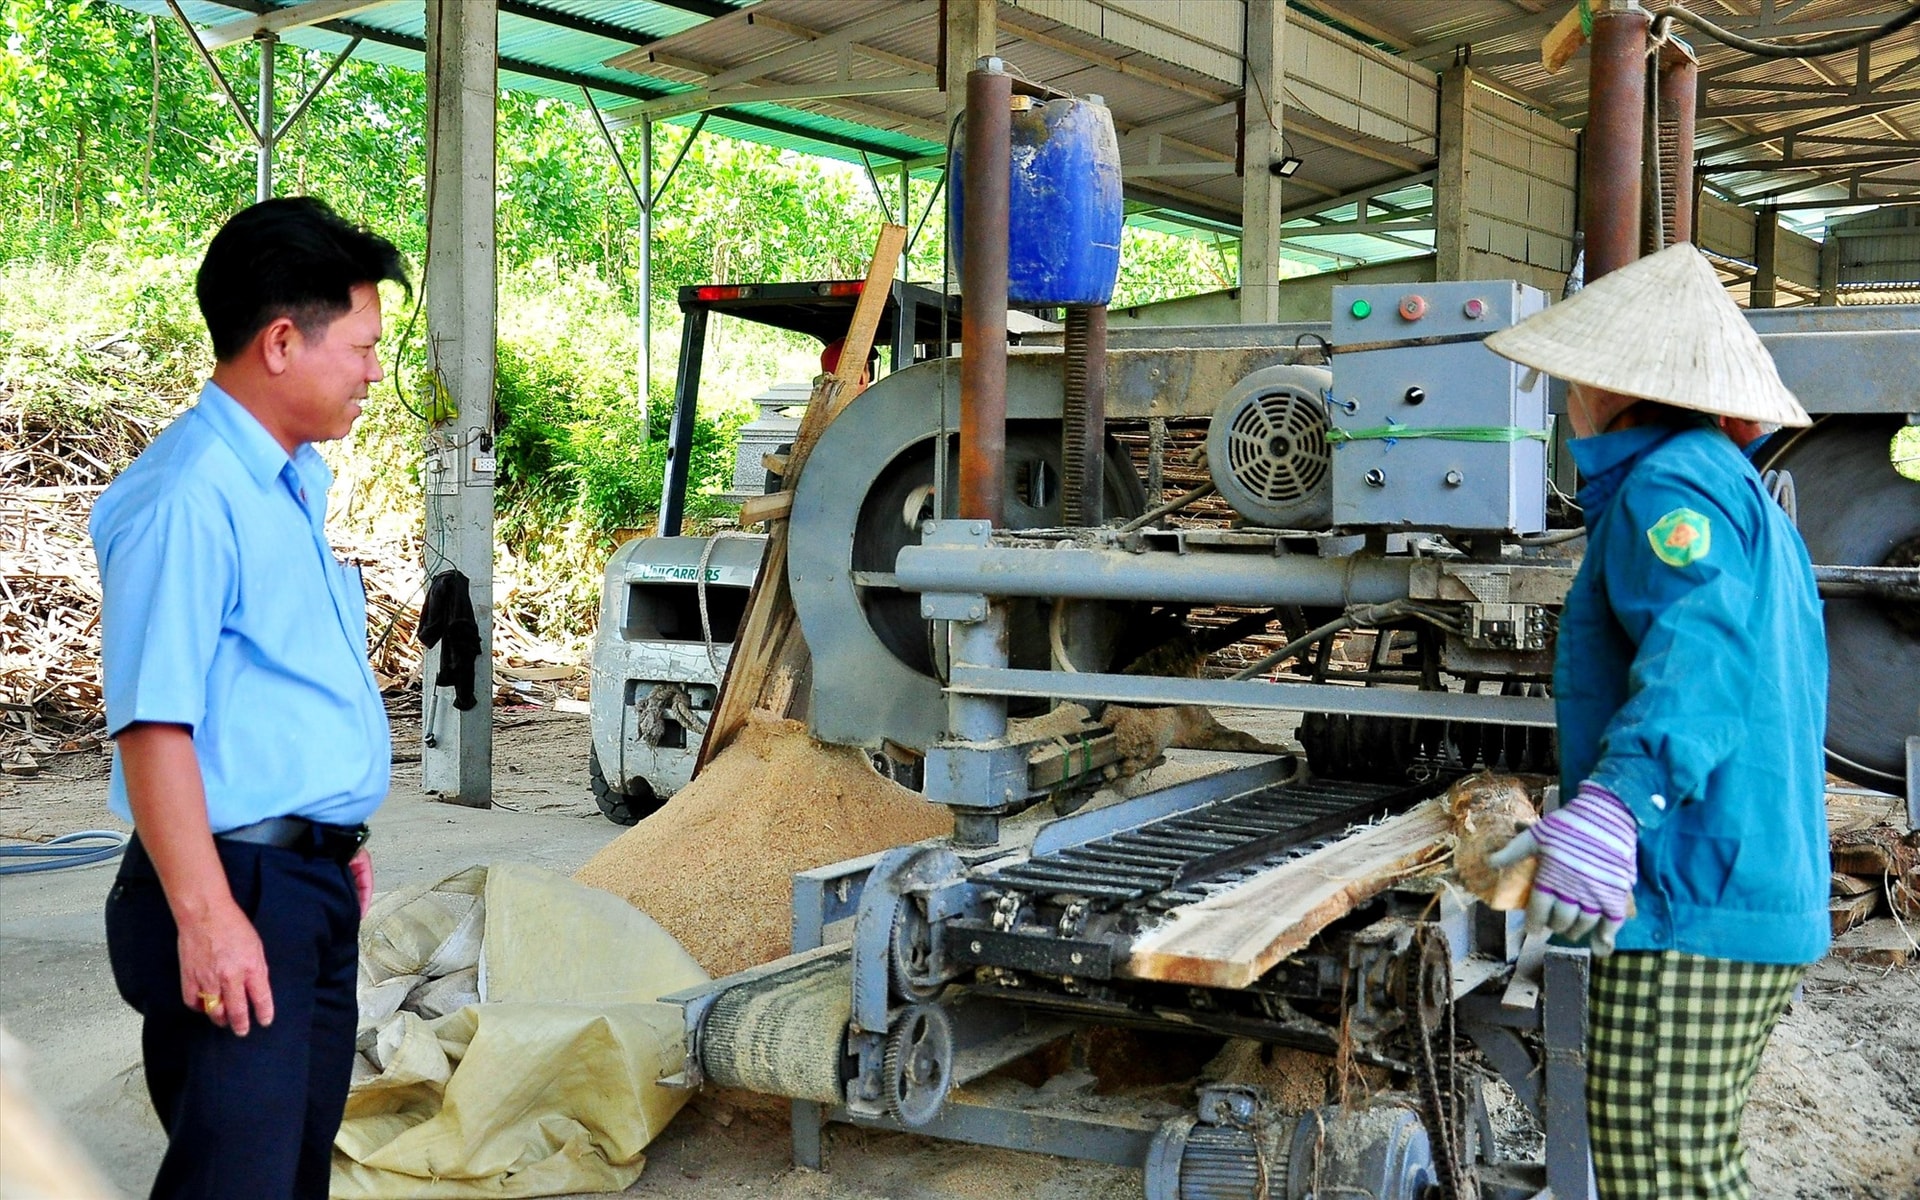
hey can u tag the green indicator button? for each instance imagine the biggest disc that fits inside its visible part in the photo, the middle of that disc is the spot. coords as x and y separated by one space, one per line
1361 310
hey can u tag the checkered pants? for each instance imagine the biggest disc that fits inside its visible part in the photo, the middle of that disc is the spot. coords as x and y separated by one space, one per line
1674 1041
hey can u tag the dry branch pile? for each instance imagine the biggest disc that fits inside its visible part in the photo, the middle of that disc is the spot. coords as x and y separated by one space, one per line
52 469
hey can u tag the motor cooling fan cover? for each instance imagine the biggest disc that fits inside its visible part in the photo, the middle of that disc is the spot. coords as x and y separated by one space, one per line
1267 450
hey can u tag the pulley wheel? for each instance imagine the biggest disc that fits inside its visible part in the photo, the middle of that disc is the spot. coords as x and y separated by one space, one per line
919 1064
1857 510
911 953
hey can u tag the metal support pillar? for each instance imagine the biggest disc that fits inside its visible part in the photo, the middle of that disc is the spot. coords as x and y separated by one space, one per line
1450 245
1830 252
1678 87
1563 1028
646 278
462 37
983 287
686 394
263 121
1766 271
259 125
976 718
1616 127
1261 147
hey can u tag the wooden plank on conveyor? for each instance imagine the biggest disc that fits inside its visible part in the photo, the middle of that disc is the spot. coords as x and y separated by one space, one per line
1231 939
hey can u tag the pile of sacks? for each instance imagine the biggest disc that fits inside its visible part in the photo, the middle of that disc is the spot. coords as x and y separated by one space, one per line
497 1059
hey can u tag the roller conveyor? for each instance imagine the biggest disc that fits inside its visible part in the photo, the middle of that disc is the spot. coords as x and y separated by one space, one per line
1175 859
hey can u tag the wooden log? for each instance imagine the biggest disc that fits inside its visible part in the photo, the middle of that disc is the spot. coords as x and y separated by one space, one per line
1881 943
1231 939
1851 885
1849 911
1563 41
1487 811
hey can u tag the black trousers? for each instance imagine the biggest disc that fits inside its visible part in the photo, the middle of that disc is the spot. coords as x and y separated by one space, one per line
255 1116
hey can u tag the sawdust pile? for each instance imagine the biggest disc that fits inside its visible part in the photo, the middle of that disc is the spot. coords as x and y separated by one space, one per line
1143 733
1296 1081
715 865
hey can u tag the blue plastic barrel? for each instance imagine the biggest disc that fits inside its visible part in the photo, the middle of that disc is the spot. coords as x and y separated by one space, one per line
1065 208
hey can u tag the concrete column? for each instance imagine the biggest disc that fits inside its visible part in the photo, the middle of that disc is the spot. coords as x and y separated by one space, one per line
462 35
1260 147
1766 239
1451 249
971 34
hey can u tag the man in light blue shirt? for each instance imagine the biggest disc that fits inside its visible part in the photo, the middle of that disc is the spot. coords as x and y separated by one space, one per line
251 744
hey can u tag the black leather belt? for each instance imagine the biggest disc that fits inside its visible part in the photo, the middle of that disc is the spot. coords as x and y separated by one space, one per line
311 838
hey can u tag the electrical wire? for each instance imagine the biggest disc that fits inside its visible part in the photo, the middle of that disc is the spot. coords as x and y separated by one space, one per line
1813 49
82 849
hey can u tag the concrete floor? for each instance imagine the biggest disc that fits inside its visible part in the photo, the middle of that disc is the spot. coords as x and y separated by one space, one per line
56 992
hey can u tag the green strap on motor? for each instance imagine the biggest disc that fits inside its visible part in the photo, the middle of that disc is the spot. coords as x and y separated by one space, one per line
1444 433
1586 19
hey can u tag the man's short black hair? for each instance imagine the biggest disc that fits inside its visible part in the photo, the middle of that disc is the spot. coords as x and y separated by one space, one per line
290 256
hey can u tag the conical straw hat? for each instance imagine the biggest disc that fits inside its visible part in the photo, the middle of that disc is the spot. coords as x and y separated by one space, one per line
1661 328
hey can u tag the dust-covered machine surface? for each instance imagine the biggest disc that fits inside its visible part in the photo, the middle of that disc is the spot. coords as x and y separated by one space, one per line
1396 490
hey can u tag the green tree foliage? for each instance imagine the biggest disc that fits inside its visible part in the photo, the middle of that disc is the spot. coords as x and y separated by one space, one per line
119 156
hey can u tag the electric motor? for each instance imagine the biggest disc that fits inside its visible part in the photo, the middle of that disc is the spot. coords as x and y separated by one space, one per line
1267 449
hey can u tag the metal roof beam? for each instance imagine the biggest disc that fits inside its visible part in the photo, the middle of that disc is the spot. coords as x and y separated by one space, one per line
1773 135
1121 66
886 20
567 20
1905 154
609 87
1878 104
1326 133
703 99
1891 200
1361 196
278 20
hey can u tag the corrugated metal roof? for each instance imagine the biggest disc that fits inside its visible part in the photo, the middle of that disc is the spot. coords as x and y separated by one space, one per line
1182 53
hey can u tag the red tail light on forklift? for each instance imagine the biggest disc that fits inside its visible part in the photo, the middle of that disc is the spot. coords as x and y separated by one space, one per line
733 292
843 287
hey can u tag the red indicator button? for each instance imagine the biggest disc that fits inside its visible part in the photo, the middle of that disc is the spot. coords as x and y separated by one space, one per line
1474 309
1412 308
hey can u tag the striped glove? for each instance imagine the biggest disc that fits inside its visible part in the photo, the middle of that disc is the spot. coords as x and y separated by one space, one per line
1587 869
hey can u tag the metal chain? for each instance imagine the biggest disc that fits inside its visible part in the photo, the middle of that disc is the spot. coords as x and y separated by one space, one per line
1440 1092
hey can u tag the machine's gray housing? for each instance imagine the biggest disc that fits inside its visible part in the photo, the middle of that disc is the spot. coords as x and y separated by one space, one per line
1436 483
627 664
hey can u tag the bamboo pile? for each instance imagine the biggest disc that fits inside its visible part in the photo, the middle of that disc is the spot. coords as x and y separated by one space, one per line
51 472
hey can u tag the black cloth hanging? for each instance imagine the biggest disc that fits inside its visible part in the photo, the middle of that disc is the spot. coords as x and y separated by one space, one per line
448 616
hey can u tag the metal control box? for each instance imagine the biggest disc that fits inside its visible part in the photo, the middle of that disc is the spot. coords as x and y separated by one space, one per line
1430 429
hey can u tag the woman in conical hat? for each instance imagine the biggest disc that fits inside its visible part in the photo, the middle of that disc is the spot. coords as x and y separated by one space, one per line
1691 682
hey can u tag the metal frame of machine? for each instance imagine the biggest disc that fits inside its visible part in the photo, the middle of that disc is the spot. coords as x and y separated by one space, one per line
918 972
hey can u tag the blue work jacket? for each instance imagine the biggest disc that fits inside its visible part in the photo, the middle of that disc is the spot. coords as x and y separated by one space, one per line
1691 680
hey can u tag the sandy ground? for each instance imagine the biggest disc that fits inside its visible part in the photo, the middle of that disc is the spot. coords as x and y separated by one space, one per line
1836 1112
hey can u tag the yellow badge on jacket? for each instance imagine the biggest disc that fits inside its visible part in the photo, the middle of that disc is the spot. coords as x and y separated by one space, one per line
1681 537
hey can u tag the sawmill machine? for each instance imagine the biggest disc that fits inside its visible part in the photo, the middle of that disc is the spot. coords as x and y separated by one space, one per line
1392 489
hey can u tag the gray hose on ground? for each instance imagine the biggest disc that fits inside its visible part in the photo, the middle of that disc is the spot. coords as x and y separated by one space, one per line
67 850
